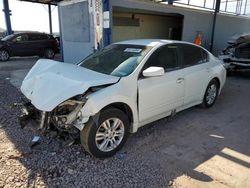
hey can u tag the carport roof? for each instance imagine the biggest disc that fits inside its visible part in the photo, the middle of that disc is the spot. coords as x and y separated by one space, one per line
52 2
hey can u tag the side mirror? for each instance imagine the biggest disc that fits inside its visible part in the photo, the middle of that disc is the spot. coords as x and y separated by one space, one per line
153 72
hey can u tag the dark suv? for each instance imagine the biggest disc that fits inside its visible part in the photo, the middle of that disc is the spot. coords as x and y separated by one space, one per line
28 44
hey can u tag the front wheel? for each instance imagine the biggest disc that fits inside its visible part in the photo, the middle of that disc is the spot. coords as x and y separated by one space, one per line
103 136
4 55
211 94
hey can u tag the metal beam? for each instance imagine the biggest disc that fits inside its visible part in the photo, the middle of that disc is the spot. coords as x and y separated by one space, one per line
107 33
52 2
7 13
50 19
217 9
61 35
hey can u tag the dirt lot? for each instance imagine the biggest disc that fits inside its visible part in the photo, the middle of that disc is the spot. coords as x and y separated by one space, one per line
197 148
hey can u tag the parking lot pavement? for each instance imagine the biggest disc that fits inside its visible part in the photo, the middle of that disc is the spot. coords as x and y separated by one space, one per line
17 68
197 148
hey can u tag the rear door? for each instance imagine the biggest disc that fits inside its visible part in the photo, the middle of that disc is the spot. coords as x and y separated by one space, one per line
35 44
160 95
196 71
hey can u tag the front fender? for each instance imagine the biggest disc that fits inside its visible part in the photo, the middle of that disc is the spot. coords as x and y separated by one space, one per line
107 96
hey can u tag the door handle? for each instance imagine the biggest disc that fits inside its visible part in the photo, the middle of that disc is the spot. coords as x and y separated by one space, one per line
180 80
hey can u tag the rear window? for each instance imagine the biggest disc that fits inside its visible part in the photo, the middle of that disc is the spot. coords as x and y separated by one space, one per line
205 56
193 55
44 37
37 37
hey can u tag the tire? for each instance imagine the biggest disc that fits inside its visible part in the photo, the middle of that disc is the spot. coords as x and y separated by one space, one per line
93 143
4 55
49 53
211 94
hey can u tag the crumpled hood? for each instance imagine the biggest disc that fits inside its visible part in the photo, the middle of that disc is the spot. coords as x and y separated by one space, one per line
49 83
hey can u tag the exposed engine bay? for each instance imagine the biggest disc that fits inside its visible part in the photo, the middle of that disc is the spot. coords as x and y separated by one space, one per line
65 119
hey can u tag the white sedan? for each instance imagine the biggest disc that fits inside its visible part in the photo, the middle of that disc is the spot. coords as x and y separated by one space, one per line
125 86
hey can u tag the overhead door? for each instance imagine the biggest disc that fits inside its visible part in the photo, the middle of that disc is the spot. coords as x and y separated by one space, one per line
136 25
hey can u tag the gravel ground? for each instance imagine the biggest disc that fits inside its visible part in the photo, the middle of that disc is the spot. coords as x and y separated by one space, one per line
175 153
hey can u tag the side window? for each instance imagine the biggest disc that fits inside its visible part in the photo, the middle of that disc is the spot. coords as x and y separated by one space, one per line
165 57
205 56
21 38
34 37
191 55
43 37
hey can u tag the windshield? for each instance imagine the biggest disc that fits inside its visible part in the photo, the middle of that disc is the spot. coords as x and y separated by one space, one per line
116 59
7 37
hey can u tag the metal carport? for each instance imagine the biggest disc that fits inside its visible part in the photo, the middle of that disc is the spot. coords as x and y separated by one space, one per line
7 12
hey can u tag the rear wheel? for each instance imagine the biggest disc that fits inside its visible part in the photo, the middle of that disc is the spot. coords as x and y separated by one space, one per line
211 94
103 136
4 55
49 53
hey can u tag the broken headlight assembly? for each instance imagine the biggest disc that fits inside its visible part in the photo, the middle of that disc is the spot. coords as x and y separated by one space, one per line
68 114
66 117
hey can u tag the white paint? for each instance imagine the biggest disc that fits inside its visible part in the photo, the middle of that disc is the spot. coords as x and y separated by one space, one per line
50 83
106 19
162 94
153 72
149 98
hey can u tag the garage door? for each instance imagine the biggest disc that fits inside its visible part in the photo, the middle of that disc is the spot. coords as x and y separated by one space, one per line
136 25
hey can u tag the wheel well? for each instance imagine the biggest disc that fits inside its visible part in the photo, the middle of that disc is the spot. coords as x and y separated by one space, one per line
123 107
5 50
218 81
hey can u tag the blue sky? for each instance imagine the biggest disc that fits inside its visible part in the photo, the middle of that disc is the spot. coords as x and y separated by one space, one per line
29 16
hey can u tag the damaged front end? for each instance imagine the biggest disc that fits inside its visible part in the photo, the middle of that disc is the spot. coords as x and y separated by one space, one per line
66 119
57 96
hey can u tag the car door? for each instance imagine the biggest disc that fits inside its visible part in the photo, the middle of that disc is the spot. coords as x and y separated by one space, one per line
157 96
196 69
19 45
36 43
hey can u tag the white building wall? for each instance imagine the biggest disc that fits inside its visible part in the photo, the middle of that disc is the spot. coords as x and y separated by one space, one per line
196 21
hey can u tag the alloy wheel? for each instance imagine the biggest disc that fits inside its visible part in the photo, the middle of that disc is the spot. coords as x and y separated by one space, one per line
211 94
4 55
50 54
110 134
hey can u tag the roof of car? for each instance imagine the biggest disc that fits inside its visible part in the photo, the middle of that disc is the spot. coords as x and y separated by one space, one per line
150 42
29 32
